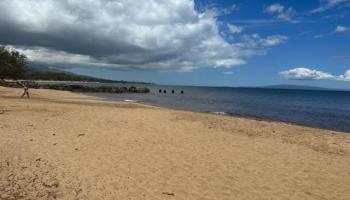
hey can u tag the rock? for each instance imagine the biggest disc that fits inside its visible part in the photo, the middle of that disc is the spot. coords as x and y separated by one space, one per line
124 89
142 90
115 90
105 89
168 193
132 89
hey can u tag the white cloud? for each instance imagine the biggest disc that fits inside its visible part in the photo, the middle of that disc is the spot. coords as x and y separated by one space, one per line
344 56
339 29
274 40
346 76
234 29
328 4
153 34
280 12
274 8
230 9
49 56
302 73
227 73
254 41
214 9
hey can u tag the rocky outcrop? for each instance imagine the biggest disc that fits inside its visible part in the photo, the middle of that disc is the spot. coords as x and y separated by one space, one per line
78 88
142 90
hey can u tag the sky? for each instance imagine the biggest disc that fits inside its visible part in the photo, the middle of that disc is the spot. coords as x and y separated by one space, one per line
186 42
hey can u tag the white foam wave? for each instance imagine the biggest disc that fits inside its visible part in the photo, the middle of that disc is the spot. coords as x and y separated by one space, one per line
130 101
219 113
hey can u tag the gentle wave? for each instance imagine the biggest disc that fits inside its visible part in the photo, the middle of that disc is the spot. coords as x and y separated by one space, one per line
130 101
323 109
219 113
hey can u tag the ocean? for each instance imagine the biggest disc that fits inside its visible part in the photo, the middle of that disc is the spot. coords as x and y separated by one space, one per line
316 108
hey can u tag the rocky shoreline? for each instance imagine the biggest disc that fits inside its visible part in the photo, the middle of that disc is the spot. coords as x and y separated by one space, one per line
77 87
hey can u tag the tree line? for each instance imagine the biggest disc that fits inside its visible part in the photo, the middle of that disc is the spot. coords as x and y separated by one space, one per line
12 63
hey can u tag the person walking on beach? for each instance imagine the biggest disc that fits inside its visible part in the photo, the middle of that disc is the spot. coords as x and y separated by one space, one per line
25 89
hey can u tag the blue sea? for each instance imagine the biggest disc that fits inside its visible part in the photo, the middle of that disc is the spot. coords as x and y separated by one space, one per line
323 109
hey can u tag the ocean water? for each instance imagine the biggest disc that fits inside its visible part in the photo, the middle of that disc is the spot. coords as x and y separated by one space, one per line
323 109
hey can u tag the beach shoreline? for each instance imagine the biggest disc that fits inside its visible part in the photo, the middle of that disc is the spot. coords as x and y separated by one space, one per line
65 145
244 116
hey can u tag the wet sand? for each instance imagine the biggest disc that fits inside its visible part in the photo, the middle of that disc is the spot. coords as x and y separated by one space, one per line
61 145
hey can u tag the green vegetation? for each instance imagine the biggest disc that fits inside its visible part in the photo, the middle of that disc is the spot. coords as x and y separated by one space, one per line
12 63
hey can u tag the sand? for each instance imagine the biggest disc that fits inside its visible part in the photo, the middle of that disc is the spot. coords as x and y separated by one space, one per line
61 145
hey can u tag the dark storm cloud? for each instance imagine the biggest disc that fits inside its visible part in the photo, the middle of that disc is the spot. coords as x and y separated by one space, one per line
157 34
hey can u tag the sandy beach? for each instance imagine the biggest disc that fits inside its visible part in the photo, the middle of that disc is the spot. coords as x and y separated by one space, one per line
63 145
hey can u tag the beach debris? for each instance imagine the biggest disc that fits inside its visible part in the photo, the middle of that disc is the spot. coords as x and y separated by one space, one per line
38 159
54 144
168 193
76 149
3 111
80 135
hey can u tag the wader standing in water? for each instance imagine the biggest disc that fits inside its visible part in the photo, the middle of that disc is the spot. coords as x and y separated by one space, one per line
25 89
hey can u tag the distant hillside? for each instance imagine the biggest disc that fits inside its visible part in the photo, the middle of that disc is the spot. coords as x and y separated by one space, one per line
40 72
14 65
296 87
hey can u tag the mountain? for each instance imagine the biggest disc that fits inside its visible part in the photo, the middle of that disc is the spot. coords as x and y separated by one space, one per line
297 87
42 72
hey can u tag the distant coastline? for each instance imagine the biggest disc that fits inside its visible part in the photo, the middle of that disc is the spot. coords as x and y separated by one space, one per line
301 87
